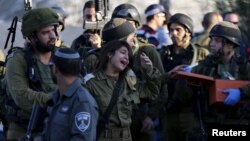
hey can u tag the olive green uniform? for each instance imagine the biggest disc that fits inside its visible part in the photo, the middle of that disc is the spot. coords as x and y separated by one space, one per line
146 108
102 86
179 118
239 69
22 93
202 40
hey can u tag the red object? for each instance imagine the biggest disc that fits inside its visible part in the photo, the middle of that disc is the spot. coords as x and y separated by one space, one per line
215 86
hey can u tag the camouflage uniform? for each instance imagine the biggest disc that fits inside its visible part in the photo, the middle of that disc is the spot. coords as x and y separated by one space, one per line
21 89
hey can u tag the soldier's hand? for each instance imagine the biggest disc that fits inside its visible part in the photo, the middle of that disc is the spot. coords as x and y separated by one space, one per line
95 40
233 96
176 69
147 125
146 63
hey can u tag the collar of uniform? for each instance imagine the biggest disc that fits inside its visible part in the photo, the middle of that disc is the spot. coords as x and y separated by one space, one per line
148 29
73 87
100 75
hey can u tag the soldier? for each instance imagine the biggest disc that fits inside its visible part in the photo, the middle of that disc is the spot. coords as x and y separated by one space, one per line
179 120
234 17
115 29
90 38
210 19
28 73
129 12
143 120
73 112
62 17
225 63
113 72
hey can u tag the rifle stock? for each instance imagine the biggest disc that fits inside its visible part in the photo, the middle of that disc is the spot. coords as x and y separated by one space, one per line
32 123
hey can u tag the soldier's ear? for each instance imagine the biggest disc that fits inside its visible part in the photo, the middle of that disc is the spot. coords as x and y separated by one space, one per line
187 32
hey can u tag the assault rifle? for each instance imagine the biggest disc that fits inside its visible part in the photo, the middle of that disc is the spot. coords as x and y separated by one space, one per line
32 123
101 8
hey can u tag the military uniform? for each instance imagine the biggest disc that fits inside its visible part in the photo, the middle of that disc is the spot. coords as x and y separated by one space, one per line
202 40
28 77
179 119
239 69
73 116
19 89
146 108
130 93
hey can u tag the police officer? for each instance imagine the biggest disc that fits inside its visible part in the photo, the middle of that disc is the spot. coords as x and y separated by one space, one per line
225 63
155 17
28 73
179 120
73 112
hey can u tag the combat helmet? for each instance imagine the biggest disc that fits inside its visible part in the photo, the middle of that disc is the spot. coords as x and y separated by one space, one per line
183 20
127 11
117 29
37 18
62 15
227 30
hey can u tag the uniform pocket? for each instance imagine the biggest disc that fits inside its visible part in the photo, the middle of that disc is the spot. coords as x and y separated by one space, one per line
61 119
126 106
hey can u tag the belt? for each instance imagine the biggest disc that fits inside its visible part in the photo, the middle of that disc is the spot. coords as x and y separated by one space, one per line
114 132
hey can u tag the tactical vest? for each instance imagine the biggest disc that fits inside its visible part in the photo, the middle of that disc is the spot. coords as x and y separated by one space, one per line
39 79
237 67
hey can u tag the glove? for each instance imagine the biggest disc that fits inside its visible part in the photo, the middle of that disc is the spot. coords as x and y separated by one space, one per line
187 69
233 96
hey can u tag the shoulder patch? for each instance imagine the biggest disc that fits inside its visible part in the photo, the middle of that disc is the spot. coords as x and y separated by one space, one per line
82 121
87 77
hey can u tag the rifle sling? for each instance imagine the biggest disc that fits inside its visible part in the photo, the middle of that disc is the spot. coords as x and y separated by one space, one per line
111 105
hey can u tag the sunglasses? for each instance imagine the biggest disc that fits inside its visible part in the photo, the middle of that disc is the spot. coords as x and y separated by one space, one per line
161 15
